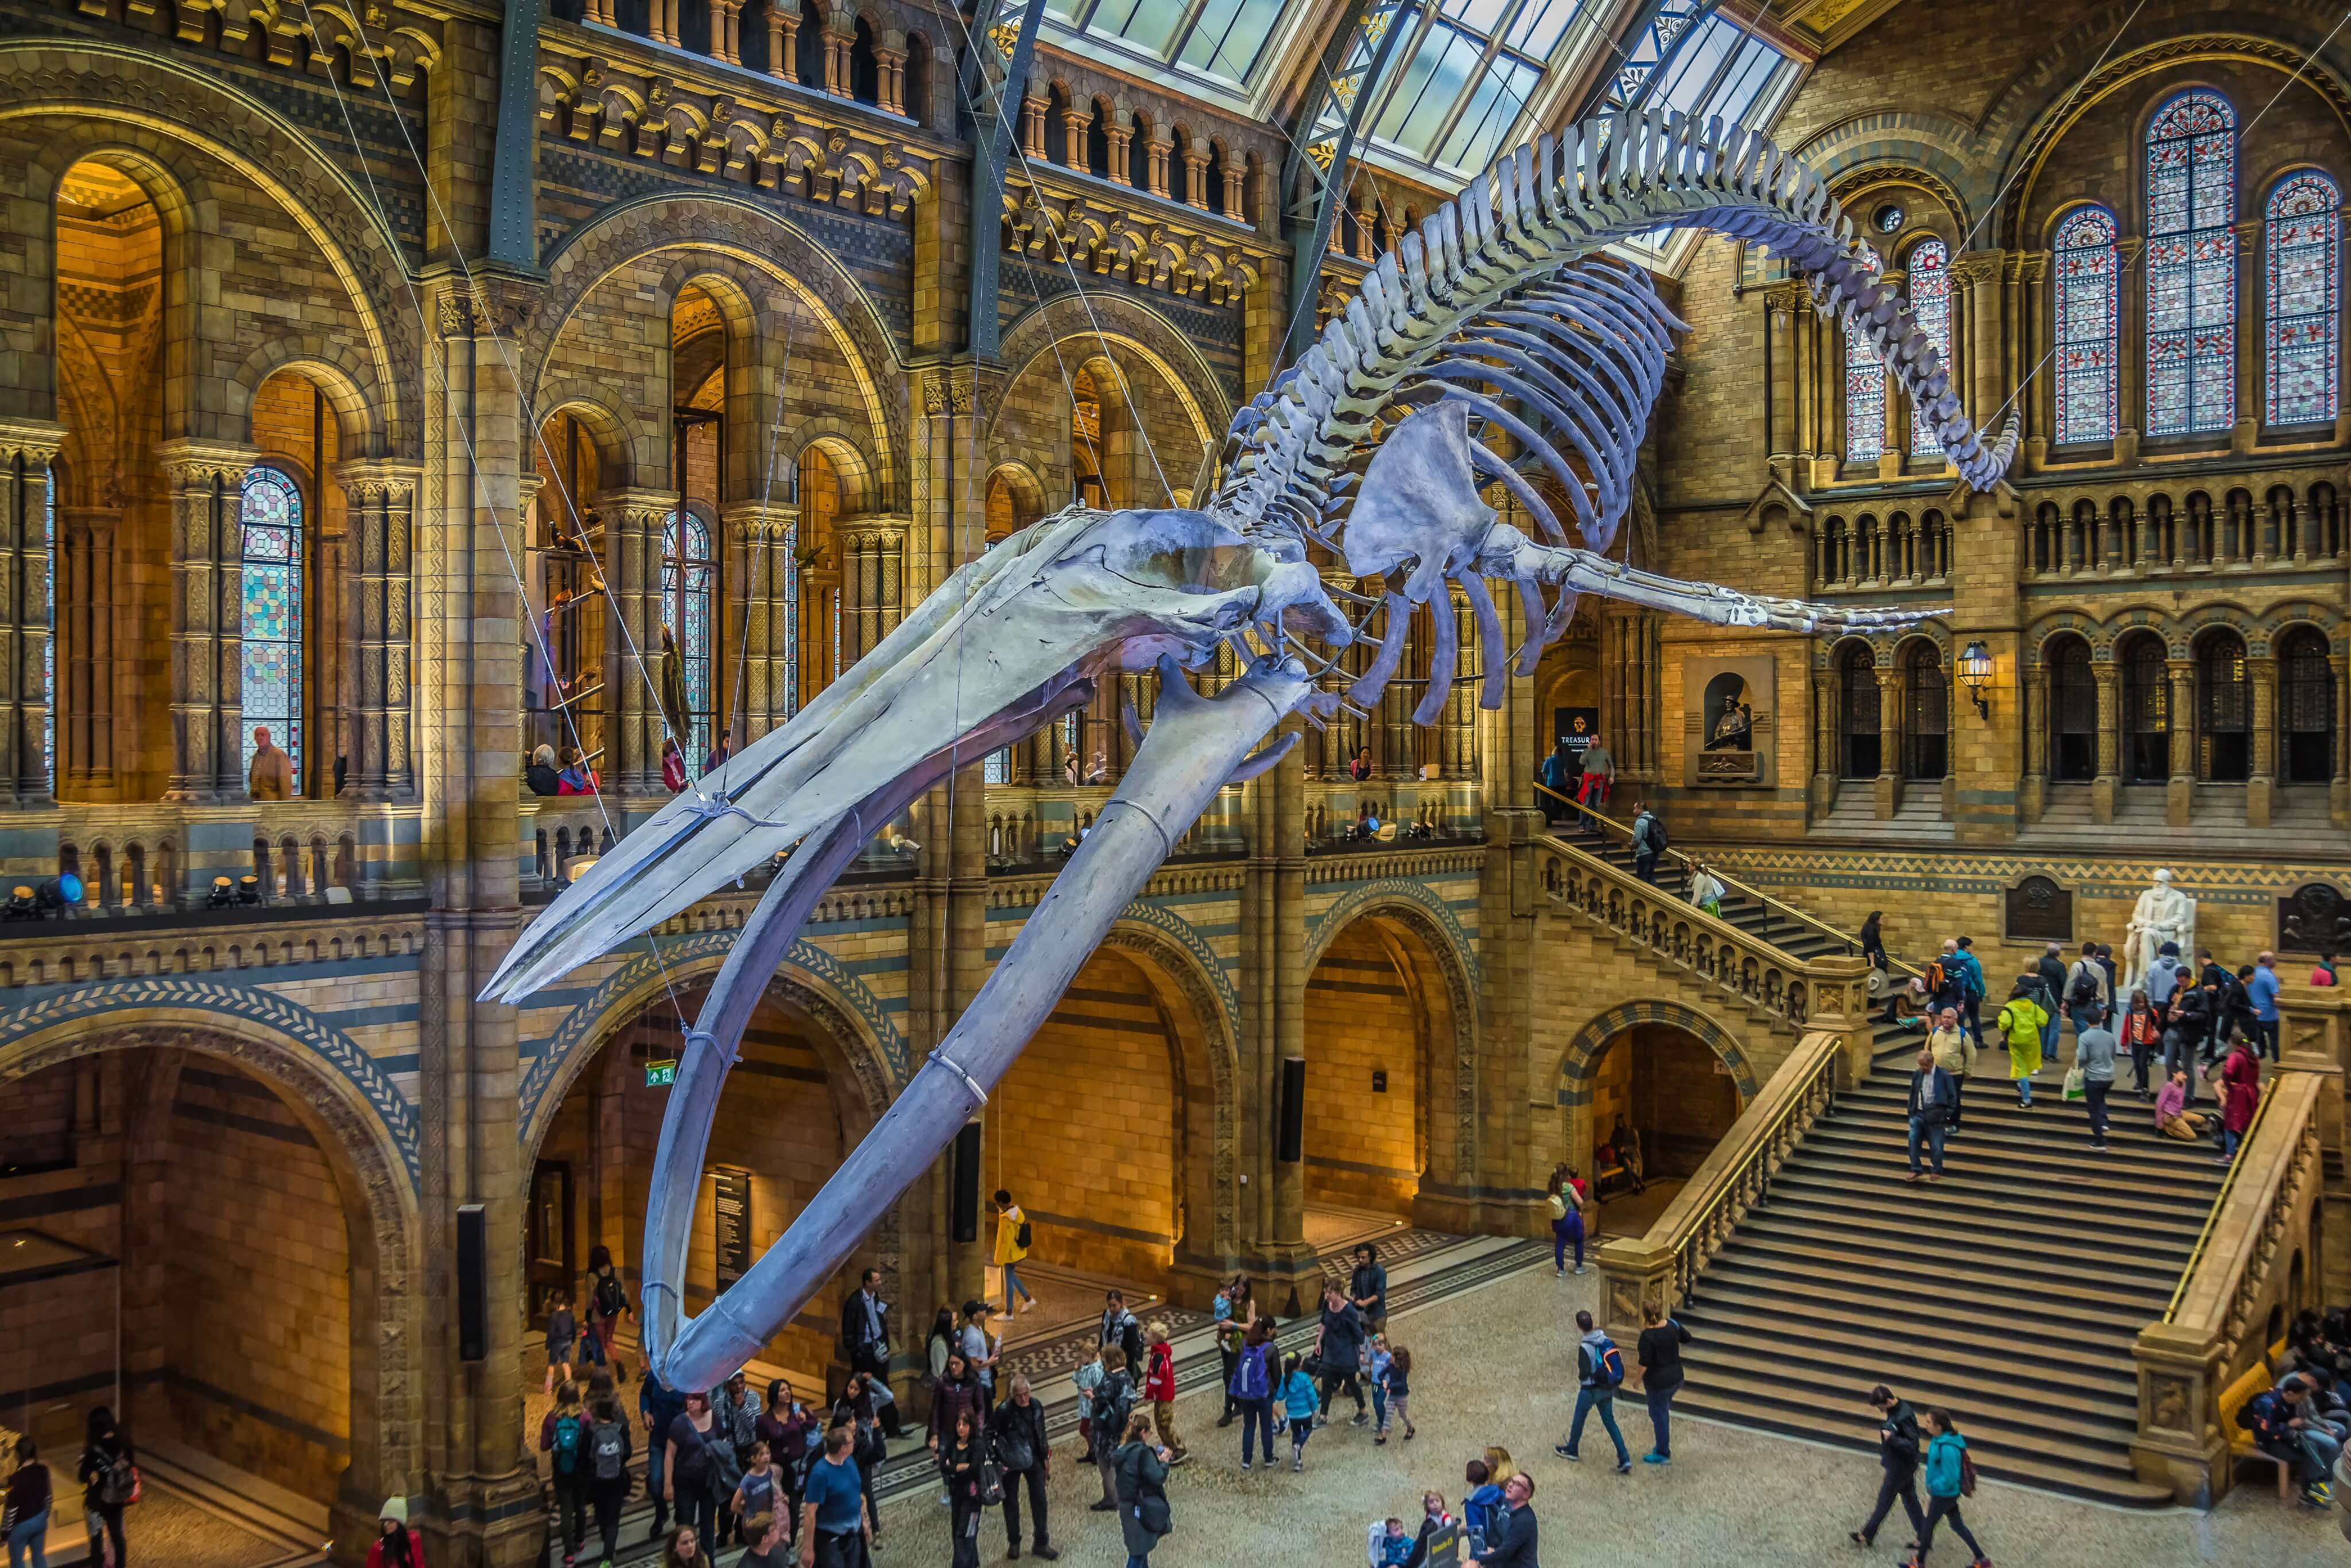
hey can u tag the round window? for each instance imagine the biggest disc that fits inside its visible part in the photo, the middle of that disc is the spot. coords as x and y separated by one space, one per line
1888 218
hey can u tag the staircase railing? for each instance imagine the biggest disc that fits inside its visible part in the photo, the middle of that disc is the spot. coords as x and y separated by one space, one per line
1662 1268
1608 825
2256 1260
1751 969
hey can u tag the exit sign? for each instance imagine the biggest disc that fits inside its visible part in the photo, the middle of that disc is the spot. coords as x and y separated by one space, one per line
660 1074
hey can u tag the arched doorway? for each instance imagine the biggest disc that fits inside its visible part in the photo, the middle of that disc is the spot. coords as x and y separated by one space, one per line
2224 709
2305 707
1859 741
1383 1110
2073 710
1662 1098
2147 709
1926 715
213 1236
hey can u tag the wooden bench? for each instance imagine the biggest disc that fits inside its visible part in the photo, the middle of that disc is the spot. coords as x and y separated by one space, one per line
2255 1379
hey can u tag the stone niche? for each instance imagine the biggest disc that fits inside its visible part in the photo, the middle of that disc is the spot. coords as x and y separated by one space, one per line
1728 706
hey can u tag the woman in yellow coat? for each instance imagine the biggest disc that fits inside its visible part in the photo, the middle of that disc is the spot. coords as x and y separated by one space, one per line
1011 1246
2021 1021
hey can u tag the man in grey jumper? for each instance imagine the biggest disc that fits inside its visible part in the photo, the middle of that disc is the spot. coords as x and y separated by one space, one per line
2094 1053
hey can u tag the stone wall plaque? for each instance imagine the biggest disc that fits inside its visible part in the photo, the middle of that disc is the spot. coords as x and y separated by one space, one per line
731 1210
2314 919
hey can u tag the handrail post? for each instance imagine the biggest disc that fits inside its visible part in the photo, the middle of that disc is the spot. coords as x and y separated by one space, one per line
2315 1036
1839 1006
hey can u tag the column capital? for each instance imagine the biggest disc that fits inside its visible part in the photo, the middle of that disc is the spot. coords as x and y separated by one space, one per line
751 521
34 439
637 504
1978 267
189 460
379 478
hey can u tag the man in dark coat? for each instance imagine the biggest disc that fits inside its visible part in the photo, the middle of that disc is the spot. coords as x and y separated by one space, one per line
1898 1452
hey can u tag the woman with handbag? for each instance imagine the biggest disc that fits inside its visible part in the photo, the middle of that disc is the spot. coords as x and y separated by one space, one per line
960 1457
1142 1513
110 1484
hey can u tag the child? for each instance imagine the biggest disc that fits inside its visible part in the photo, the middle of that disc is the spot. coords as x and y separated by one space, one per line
1375 1371
562 1329
1088 1378
1300 1401
762 1490
1231 1334
1477 1509
1159 1387
1392 1387
1391 1547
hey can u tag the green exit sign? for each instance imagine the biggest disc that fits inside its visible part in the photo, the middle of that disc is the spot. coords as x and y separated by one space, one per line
660 1074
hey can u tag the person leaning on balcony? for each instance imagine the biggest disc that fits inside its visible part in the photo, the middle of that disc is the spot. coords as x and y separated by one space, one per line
540 776
272 778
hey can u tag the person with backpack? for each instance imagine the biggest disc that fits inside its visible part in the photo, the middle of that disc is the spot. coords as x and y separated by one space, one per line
1012 1238
1112 1404
1567 1205
608 1448
1515 1527
1950 1475
658 1404
1119 1328
2088 999
1143 1514
1934 1101
1232 1334
1299 1406
2141 1035
1972 985
108 1474
607 1303
2020 1023
958 1391
1481 1506
563 1437
691 1477
1017 1427
1898 1453
1648 842
1251 1389
1599 1373
1955 1053
855 1409
2284 1424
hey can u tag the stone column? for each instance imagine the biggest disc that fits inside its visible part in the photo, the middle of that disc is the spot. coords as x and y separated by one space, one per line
1978 273
1824 744
1032 128
2180 790
2263 781
762 537
2338 794
1157 149
2110 741
1074 121
838 43
891 65
873 582
381 499
2130 386
207 671
2034 797
632 535
2251 362
1235 173
1196 176
1783 304
1120 135
1890 742
27 449
783 41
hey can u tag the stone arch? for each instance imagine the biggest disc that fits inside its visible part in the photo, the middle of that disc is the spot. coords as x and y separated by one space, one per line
624 446
852 464
2066 624
1095 323
374 1169
1860 162
873 1049
1572 1078
1026 491
2262 631
1205 1030
2187 630
768 242
135 102
325 365
1453 1082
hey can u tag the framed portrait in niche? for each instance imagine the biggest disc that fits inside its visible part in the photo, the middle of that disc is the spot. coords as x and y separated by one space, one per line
1728 706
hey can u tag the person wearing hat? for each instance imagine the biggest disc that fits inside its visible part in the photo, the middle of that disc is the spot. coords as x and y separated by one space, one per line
396 1545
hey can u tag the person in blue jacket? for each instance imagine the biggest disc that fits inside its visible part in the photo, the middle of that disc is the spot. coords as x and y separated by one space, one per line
1300 1403
1950 1474
1971 976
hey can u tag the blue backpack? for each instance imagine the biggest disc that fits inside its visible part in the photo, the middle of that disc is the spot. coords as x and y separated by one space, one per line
568 1434
1248 1377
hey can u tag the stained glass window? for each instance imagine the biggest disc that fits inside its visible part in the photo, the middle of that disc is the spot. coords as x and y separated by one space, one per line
1864 398
689 581
270 510
1931 303
2305 219
2192 266
2089 326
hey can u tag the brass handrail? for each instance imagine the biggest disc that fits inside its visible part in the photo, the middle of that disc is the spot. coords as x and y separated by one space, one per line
2219 1199
1610 824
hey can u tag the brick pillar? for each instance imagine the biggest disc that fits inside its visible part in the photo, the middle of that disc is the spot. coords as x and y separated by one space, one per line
206 612
27 449
2259 787
2180 790
2109 779
763 610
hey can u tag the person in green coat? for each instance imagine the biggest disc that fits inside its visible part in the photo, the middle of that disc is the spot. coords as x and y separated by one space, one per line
1142 1468
2020 1023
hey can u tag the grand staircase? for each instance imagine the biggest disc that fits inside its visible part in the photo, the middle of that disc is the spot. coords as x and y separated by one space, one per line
2009 1292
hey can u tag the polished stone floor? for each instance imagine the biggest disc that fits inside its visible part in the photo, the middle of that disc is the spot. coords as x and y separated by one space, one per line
1489 1368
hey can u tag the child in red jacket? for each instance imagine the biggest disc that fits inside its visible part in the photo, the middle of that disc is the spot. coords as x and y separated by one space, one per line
1159 1387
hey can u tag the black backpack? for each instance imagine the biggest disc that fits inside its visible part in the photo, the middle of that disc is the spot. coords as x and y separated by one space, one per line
2085 989
611 1300
607 1441
1113 1402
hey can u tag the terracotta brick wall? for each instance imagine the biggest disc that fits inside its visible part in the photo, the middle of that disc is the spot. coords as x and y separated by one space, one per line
1362 1146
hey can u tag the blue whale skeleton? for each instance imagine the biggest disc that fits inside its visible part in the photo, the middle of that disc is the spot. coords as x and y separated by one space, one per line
1500 307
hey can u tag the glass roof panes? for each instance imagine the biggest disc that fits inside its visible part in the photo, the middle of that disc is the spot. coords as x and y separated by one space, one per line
1146 23
1461 76
1229 36
1220 38
1538 26
1720 70
1493 107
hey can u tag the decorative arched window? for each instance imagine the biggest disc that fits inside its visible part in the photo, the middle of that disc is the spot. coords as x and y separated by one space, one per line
2147 710
1930 288
1927 716
2192 266
269 510
2224 708
2089 326
1859 731
2305 707
1864 398
689 589
2303 260
2072 711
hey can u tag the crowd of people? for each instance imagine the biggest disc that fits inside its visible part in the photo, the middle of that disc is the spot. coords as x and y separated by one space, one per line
2303 1419
2183 1022
107 1471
